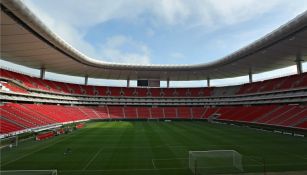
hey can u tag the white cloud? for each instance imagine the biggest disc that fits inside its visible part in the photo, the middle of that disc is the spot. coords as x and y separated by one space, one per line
177 55
276 73
230 12
114 50
64 29
104 82
150 32
109 51
171 12
229 81
73 18
79 13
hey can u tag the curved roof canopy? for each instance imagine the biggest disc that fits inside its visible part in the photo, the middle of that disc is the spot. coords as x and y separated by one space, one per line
25 40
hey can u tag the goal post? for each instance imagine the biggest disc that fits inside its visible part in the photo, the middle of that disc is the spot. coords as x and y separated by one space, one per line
212 118
29 172
215 162
11 141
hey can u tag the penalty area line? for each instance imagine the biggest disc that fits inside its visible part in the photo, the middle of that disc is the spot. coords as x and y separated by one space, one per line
171 159
92 159
115 170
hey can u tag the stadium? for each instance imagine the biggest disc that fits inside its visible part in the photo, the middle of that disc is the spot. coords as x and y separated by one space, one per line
61 128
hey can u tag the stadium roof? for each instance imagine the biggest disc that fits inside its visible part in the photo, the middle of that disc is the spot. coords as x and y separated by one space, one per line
25 40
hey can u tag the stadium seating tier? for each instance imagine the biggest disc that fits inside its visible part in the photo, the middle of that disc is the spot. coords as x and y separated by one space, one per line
20 116
284 83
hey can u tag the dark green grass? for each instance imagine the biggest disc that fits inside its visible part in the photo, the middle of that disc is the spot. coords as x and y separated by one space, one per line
134 148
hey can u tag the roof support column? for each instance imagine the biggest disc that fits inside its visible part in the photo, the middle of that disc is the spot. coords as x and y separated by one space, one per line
42 73
208 82
128 82
250 76
167 83
299 64
86 80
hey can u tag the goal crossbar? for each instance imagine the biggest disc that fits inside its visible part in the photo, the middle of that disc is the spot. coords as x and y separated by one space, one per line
215 161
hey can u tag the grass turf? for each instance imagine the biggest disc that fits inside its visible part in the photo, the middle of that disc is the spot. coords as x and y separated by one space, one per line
154 148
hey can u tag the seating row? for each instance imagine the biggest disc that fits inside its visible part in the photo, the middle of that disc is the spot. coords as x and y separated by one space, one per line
23 116
284 83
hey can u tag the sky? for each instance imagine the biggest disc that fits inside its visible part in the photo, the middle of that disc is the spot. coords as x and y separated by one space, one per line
163 31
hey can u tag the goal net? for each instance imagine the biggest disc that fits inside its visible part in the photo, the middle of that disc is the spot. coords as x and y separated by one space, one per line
215 162
212 118
10 141
28 172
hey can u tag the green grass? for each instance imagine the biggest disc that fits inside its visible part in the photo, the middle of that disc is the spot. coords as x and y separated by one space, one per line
134 148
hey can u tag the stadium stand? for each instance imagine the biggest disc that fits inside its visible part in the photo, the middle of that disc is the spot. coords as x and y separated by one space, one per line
29 101
11 87
8 127
33 83
20 116
231 127
274 102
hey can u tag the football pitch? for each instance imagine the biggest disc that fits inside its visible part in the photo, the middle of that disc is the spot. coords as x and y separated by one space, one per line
153 148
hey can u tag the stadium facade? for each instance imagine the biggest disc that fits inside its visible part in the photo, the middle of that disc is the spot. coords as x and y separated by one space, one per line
27 100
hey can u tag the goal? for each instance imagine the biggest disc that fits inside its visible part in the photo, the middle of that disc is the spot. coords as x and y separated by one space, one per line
28 172
215 162
11 141
212 118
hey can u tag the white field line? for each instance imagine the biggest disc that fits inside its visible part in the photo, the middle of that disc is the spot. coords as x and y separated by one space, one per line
37 150
163 146
153 163
175 146
155 169
225 145
171 146
203 145
170 159
134 169
92 159
255 160
138 147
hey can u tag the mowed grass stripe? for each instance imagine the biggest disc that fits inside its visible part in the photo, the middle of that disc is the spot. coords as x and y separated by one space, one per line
144 147
92 159
61 139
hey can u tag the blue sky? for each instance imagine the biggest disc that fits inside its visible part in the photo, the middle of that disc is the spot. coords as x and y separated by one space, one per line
163 31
